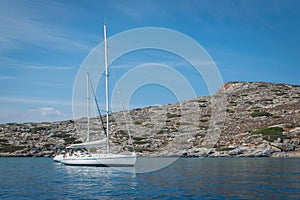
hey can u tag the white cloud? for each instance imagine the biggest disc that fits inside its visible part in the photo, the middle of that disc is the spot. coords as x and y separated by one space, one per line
47 111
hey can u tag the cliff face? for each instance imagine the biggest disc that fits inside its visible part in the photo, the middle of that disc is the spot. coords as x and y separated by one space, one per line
243 119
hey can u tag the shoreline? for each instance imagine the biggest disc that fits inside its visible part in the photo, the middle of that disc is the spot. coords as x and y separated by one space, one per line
275 155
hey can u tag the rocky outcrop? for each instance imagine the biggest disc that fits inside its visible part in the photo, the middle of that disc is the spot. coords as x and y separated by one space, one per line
242 120
36 139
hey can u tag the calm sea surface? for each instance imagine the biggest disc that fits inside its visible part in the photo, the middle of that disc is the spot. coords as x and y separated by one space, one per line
187 178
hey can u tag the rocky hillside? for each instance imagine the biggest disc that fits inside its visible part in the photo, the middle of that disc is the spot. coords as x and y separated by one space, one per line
242 119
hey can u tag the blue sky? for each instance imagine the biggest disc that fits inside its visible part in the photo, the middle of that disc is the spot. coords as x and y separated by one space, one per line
43 43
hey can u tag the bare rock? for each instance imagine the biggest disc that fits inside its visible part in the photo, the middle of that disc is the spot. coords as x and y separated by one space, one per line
213 126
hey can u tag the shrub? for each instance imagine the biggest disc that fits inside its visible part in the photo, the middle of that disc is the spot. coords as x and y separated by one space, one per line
61 135
70 140
230 111
269 134
139 138
276 117
204 120
260 114
224 148
10 148
141 142
38 129
3 140
143 149
178 123
269 131
202 101
170 115
137 123
183 123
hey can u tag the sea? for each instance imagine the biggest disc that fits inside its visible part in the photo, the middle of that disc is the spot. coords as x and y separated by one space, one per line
153 178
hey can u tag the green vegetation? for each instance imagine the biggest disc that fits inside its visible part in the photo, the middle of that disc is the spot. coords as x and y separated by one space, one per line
269 131
10 148
260 114
70 140
204 120
270 134
3 140
139 138
141 149
170 115
61 135
141 142
255 107
39 129
183 123
276 117
137 123
233 103
66 137
222 148
280 93
12 124
48 146
230 111
160 132
202 101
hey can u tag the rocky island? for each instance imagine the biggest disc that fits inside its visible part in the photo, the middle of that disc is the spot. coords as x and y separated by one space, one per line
244 119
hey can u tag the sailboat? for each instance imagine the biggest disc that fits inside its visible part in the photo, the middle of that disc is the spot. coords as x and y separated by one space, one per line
107 159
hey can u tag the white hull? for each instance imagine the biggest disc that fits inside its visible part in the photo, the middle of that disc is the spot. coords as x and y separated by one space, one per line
58 158
101 160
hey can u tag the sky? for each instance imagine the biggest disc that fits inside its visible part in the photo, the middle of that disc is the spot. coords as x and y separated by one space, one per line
43 44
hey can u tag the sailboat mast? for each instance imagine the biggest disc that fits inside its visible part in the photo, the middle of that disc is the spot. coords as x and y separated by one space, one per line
88 107
106 90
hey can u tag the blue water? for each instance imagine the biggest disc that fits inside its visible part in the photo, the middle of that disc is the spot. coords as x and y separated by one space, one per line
187 178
